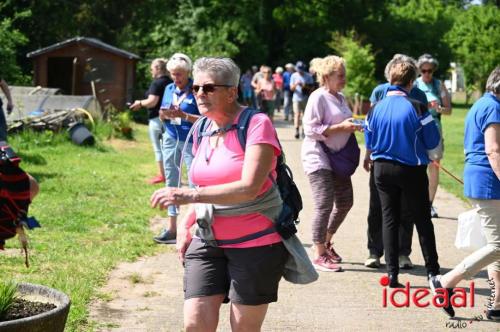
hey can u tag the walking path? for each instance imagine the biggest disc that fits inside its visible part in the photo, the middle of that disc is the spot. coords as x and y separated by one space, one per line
146 295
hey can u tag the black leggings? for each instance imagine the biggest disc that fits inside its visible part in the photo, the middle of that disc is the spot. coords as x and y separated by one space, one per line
397 183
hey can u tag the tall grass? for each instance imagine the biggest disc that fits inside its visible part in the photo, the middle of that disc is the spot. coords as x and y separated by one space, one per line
8 290
94 210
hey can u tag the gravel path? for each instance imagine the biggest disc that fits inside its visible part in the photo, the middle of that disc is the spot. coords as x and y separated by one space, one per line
146 295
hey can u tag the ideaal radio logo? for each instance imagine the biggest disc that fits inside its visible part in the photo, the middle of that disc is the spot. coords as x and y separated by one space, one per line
422 297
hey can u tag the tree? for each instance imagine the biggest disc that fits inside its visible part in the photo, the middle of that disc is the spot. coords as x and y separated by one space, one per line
10 40
474 40
360 64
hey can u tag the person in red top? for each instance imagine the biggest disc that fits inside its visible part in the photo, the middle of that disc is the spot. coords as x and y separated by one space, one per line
278 80
245 273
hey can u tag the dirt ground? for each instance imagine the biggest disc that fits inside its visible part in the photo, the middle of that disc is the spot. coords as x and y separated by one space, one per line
147 295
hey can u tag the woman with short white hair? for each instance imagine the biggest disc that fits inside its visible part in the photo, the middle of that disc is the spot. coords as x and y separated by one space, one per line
178 112
439 102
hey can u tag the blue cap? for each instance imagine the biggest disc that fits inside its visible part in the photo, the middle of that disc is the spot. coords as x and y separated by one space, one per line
300 66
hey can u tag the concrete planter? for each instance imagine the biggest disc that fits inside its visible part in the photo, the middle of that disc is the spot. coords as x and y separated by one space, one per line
53 320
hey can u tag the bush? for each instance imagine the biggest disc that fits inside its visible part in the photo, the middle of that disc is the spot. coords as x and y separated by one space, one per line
360 64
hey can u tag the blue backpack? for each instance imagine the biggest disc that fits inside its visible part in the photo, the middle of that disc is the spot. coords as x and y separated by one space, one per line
292 200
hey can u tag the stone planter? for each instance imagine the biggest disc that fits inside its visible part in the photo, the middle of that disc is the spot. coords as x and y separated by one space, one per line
53 320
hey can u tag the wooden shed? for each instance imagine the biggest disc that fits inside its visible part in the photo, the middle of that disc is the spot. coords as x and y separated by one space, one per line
87 66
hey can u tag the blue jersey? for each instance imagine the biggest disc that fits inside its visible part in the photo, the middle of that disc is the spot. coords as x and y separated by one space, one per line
187 105
380 92
400 129
480 182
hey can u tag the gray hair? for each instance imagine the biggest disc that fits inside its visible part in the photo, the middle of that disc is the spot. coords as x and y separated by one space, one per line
493 82
398 57
427 58
179 61
222 70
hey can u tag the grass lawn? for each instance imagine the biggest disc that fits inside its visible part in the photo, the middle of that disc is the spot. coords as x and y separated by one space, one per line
94 210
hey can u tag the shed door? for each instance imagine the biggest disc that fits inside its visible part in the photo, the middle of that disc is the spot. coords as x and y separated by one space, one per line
60 74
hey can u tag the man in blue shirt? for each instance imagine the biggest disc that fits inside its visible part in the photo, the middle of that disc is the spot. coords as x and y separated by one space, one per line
398 132
287 93
375 244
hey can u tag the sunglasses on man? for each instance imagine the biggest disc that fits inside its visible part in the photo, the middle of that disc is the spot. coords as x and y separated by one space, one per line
426 71
208 88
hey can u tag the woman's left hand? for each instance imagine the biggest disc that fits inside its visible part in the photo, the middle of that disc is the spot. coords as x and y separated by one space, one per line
164 197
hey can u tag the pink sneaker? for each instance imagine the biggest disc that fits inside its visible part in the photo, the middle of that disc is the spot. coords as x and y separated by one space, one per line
156 179
325 263
332 253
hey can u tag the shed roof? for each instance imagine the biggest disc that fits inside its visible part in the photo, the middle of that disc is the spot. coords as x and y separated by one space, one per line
89 41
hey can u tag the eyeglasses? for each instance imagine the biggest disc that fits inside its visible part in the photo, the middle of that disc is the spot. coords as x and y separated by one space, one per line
426 71
209 88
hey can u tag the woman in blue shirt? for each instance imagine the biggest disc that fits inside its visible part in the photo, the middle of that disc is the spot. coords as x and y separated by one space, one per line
178 112
482 187
399 132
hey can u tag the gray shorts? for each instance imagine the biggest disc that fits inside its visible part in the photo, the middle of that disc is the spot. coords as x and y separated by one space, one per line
247 276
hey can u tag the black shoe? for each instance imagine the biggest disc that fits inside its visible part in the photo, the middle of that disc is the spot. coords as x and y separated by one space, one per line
435 284
393 281
431 274
165 237
493 314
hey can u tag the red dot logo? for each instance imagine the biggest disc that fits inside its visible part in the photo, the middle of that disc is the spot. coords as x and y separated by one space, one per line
384 280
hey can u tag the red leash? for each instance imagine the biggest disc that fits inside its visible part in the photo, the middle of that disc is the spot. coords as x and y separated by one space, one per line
447 172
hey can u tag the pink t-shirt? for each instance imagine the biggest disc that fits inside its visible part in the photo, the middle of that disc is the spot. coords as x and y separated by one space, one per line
323 109
225 165
266 88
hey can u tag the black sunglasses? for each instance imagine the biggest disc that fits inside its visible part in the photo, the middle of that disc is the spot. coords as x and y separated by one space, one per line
425 71
209 88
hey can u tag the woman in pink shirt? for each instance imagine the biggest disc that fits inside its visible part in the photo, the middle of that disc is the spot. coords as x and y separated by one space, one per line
328 119
267 90
278 80
248 272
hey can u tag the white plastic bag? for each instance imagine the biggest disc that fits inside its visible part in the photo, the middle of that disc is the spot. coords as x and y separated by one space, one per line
470 235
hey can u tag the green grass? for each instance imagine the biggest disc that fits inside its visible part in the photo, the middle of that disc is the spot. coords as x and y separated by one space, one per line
8 290
94 210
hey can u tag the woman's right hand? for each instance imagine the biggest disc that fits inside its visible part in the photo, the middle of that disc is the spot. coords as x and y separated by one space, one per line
349 126
183 240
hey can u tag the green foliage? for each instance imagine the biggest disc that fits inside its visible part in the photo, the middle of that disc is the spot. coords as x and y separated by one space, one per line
8 290
360 63
474 39
10 39
411 27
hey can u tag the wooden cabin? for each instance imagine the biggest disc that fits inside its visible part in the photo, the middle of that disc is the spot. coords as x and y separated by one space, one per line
87 66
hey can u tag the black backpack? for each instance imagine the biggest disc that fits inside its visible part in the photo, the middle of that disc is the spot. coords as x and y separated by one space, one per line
292 201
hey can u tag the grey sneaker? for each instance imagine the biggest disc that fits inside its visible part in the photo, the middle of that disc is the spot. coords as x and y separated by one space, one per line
405 263
373 262
165 237
434 213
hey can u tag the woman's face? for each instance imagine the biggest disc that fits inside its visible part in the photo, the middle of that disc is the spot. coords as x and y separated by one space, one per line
153 71
427 70
336 80
211 98
180 77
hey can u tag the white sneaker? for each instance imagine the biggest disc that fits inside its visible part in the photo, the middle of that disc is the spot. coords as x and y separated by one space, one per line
405 263
373 262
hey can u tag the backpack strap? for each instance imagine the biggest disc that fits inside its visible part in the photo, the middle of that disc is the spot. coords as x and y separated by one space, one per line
243 124
203 124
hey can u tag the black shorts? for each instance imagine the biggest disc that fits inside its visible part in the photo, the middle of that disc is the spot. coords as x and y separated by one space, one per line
244 275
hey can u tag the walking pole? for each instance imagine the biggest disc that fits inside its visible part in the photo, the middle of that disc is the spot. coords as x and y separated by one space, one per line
447 172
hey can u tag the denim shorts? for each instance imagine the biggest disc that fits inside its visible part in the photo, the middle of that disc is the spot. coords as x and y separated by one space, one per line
248 276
